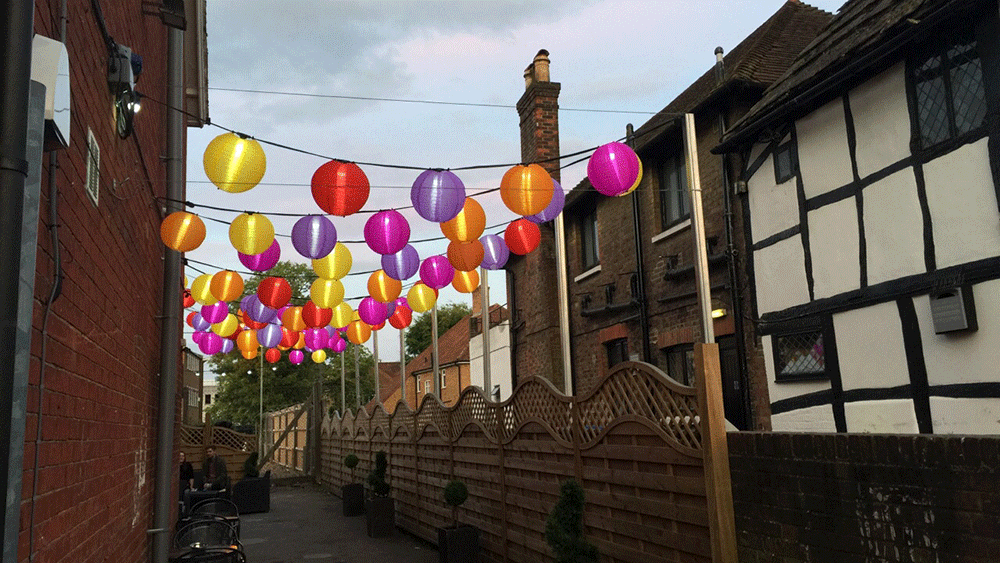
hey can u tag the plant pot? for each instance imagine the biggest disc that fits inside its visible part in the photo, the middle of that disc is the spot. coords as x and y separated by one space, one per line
380 513
458 544
353 496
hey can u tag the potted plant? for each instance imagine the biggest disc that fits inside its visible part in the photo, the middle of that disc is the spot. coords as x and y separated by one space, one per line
457 544
253 492
564 528
352 494
380 509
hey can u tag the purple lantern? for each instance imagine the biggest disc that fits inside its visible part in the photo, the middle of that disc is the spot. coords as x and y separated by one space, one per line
257 311
371 311
227 345
438 195
403 264
296 357
436 272
216 312
269 336
613 169
314 236
199 323
211 343
263 261
495 253
338 344
554 208
387 232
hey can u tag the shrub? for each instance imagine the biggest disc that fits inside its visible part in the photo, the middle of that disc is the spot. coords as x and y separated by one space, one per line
351 461
376 479
250 465
455 493
564 528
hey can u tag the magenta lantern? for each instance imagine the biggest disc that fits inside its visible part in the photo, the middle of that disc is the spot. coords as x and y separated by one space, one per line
613 169
269 336
263 261
438 195
216 312
403 264
554 208
315 338
338 344
211 343
296 357
314 236
371 311
495 253
387 232
436 272
197 335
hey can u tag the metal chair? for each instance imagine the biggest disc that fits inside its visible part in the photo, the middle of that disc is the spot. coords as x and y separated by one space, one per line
211 555
216 506
207 532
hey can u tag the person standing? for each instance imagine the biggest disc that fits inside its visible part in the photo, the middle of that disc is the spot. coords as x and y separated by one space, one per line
186 474
216 476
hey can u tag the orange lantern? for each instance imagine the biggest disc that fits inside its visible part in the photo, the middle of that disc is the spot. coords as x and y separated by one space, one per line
226 285
526 190
358 332
465 282
182 231
247 341
468 225
382 288
301 343
249 355
292 319
466 256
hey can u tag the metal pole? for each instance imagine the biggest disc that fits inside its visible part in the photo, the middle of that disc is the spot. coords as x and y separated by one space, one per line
260 402
640 268
402 367
485 302
357 379
170 329
343 384
698 230
434 351
378 384
563 291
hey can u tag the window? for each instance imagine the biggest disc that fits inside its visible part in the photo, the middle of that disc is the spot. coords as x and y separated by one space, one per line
617 351
786 163
427 386
799 355
675 201
948 82
208 399
444 379
679 362
588 237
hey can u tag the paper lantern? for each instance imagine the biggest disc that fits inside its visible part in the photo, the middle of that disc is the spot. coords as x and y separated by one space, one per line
300 343
468 225
371 311
215 312
314 236
249 354
190 318
201 290
263 261
401 317
465 256
314 316
437 195
466 282
227 346
554 207
403 264
269 336
522 236
247 322
387 232
226 285
186 298
288 337
326 293
247 340
227 326
318 356
495 252
378 327
635 184
197 335
613 169
292 318
274 292
251 233
210 343
382 287
233 163
343 314
272 355
315 338
340 188
199 323
182 231
335 265
256 310
358 332
296 357
338 344
436 271
526 190
421 298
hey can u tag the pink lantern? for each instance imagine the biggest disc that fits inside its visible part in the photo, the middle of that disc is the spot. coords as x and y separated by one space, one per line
215 312
387 232
263 261
315 338
211 343
296 357
338 344
436 272
371 311
613 169
438 195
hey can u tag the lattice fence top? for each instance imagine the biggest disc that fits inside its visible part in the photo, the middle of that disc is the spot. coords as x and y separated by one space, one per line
633 392
217 436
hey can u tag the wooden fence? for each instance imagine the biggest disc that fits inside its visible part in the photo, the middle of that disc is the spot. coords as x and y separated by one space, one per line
233 446
292 450
634 443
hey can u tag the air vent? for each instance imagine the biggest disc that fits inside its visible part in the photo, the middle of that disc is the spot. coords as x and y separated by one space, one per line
93 186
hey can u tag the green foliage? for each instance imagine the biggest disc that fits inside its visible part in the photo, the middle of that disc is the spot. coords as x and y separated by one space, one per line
455 493
250 466
564 528
376 479
418 335
350 462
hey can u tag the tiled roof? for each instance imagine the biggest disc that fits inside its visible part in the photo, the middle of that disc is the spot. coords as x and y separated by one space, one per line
388 380
846 45
453 347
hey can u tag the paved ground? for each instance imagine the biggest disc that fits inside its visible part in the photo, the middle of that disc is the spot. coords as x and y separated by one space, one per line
306 524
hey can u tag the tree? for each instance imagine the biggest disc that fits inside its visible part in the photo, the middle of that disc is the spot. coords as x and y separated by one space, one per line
418 336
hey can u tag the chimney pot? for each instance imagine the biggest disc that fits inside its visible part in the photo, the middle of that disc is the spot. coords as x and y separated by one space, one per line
541 64
529 76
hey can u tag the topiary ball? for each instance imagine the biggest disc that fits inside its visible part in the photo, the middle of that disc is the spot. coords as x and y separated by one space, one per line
455 493
351 461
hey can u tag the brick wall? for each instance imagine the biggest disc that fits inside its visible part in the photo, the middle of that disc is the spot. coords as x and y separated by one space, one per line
861 497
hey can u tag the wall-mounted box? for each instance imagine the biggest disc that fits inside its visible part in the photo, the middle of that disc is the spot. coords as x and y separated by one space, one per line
50 66
953 309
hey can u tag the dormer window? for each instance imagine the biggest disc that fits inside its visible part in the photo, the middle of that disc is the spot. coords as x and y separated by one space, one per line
950 97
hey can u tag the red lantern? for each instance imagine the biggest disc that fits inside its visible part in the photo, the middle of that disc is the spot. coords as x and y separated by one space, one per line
340 188
188 300
274 292
522 236
272 355
401 317
315 316
190 319
379 326
288 337
248 322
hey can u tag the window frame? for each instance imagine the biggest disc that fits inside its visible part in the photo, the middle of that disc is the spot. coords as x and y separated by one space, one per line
688 350
619 344
673 165
779 376
793 162
590 254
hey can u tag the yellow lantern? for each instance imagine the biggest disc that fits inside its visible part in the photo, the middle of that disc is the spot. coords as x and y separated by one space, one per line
326 293
465 282
201 290
319 356
468 225
292 319
526 190
182 231
343 314
382 288
226 285
251 233
358 332
233 163
247 341
227 326
421 298
334 265
638 179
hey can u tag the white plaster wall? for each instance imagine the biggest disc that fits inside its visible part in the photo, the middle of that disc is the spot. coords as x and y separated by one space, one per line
963 205
895 416
833 244
894 232
811 419
965 416
870 348
824 157
500 372
881 121
780 391
773 208
780 275
963 357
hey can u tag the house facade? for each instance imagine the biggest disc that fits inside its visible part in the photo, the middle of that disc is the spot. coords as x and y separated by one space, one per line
872 171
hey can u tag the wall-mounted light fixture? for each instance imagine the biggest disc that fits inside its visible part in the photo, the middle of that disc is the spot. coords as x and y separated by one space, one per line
719 313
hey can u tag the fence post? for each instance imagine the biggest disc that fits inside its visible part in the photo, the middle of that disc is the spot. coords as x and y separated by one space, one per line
498 411
718 483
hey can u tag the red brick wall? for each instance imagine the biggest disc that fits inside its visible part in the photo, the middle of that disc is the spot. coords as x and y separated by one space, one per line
97 459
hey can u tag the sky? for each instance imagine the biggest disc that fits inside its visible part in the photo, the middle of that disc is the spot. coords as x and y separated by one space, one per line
626 58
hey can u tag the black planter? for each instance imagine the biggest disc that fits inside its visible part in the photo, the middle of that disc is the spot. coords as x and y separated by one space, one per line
380 513
353 496
458 544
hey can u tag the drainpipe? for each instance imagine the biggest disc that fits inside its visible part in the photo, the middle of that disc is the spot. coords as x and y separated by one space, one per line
640 268
170 329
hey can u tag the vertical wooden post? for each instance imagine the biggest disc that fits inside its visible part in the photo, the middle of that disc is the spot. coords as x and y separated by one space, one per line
504 539
718 484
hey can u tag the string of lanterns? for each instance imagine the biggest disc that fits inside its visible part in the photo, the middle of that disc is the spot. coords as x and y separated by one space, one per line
265 320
